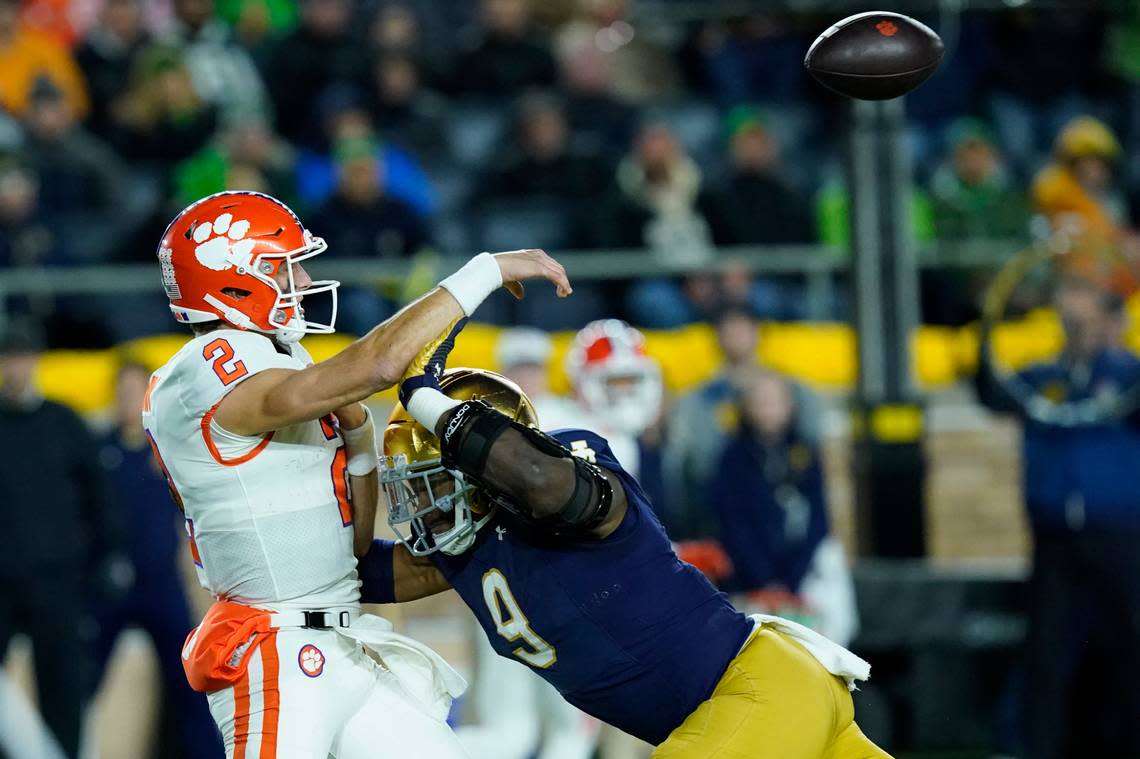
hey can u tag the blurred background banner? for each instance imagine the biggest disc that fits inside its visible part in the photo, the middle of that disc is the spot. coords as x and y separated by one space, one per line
882 385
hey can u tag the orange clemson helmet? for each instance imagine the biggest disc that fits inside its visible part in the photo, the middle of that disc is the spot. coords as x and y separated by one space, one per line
220 259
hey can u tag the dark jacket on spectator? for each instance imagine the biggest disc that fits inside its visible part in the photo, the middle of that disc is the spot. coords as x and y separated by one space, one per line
61 553
169 140
1076 477
757 209
503 67
567 177
417 126
84 190
601 121
772 509
142 499
385 228
53 495
703 422
30 241
78 173
299 68
106 63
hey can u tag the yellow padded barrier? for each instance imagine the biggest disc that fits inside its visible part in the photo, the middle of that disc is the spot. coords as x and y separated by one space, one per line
896 423
821 354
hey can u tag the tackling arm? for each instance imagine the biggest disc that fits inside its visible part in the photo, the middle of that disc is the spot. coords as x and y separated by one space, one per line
531 473
389 573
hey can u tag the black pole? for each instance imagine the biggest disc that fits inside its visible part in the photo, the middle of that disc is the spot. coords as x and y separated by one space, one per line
890 468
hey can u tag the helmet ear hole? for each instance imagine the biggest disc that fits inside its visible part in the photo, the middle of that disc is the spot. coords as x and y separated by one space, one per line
236 293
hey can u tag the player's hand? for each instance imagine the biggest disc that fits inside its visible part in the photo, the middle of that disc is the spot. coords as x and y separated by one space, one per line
517 265
428 365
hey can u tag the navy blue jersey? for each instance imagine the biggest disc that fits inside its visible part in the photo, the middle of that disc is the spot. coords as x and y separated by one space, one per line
622 628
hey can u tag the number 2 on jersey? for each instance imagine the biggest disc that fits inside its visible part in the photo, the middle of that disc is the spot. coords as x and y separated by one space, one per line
222 354
512 624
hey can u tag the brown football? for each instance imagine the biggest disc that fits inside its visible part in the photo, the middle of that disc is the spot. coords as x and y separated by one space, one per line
874 56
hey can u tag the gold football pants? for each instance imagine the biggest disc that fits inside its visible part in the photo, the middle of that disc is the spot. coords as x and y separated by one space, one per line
774 701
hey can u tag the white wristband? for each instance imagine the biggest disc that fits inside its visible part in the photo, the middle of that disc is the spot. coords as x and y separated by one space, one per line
360 447
427 405
474 281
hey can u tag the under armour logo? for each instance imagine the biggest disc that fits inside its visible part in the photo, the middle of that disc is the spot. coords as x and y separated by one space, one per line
500 531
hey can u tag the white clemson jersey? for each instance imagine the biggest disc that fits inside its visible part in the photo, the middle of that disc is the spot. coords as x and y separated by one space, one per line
269 517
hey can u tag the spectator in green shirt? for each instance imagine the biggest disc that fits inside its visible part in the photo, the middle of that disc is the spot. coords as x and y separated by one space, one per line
973 198
972 192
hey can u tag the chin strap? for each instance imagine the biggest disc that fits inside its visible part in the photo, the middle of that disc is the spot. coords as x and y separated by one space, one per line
288 335
229 313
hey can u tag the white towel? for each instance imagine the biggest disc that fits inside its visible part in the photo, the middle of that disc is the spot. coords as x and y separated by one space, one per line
835 658
422 671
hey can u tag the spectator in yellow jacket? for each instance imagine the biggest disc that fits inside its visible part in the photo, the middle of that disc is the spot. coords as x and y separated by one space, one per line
1080 196
26 56
1078 191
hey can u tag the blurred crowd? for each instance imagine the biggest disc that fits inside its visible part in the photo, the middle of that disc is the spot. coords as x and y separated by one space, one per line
400 127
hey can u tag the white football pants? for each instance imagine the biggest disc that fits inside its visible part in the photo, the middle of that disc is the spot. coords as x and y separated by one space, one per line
311 694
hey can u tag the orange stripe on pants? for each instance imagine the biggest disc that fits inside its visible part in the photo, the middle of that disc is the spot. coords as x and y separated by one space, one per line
271 696
241 716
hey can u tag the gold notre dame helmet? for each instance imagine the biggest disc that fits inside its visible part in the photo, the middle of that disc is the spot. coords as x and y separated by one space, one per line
413 477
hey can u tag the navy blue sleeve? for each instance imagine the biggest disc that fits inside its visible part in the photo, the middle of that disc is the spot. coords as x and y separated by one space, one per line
377 576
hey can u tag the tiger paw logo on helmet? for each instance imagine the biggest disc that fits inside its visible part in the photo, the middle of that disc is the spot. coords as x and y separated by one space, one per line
311 660
221 242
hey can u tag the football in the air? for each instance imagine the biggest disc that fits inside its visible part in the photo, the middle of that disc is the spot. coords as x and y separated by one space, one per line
874 56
